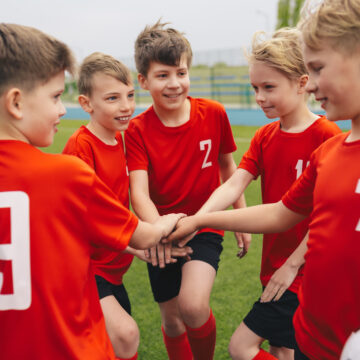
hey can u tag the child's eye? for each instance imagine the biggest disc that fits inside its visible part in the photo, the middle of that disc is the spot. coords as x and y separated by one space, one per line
130 96
269 87
161 76
111 98
182 73
255 88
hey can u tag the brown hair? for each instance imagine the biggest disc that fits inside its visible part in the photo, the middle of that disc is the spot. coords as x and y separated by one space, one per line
160 44
282 51
29 56
335 20
98 62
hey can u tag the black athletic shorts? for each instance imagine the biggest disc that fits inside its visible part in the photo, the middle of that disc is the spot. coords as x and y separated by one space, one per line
106 288
273 320
165 283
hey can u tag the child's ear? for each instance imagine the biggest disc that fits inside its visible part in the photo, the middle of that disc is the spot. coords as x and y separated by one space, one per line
142 81
85 103
302 83
13 103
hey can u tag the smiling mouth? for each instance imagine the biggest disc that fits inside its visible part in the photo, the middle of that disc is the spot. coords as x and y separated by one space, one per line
123 118
322 101
172 96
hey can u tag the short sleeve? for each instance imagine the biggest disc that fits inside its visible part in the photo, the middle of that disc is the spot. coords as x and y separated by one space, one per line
299 197
79 148
109 223
136 154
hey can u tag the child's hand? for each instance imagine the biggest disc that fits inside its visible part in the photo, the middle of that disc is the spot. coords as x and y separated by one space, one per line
142 255
243 242
279 282
166 254
184 232
167 223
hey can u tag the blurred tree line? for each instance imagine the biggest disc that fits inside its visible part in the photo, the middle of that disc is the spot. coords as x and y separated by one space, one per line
288 12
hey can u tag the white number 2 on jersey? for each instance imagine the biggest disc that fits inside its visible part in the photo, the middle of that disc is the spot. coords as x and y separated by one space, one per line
357 191
206 145
18 251
300 167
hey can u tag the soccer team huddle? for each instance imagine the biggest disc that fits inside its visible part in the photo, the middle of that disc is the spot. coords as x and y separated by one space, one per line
67 236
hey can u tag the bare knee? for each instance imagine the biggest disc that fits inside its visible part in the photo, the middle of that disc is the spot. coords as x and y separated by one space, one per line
244 344
194 312
238 351
125 339
171 319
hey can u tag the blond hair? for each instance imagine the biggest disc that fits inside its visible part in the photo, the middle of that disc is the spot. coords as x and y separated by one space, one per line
335 20
98 62
29 57
282 51
160 44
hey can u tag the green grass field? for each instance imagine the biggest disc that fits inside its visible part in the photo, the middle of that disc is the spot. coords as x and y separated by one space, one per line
236 286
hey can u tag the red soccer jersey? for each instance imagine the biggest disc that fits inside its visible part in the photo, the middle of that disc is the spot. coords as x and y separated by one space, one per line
53 210
279 158
330 293
109 163
182 162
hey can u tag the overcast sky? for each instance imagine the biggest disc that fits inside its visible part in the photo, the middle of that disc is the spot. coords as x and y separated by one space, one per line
111 26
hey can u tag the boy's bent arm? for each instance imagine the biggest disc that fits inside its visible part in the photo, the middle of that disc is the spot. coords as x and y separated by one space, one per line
229 193
266 218
286 274
146 210
141 202
227 169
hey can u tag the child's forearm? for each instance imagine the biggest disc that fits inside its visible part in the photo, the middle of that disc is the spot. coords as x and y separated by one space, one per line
229 193
144 208
266 218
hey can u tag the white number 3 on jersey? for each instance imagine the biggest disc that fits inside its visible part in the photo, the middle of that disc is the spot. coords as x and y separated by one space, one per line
205 145
18 251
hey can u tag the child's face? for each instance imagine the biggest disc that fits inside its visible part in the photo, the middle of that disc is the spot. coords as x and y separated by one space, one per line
334 78
42 109
168 85
276 94
112 103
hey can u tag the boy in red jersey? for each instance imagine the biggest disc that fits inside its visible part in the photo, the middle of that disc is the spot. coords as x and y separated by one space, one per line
107 94
177 150
328 190
279 152
53 210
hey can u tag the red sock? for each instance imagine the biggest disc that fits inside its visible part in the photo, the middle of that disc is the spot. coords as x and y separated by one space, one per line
132 358
202 340
263 355
178 348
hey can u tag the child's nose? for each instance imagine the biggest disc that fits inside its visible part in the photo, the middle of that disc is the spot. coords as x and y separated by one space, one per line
259 96
310 86
62 110
124 105
173 81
